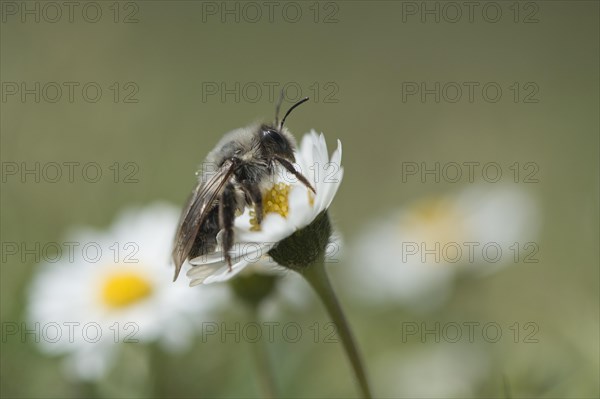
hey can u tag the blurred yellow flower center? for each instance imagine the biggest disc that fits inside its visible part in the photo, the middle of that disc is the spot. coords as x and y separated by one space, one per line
124 289
432 210
434 221
274 200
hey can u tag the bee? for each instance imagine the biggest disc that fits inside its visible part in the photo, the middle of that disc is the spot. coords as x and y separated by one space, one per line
246 161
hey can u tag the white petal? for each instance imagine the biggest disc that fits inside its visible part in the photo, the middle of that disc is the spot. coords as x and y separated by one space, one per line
207 259
306 149
322 147
203 271
300 214
223 274
274 228
331 189
333 184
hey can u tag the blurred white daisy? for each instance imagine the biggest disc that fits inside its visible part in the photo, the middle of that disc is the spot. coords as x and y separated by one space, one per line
117 288
413 255
445 370
289 206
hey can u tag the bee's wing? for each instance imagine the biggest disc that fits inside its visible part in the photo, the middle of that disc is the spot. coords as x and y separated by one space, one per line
200 203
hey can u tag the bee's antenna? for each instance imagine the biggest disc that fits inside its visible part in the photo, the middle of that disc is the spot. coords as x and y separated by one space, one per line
278 106
305 99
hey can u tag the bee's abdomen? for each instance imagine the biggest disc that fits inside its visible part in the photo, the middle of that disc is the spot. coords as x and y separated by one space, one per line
206 240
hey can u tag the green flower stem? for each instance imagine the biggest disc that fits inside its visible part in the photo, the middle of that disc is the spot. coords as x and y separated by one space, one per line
158 371
316 275
266 376
85 389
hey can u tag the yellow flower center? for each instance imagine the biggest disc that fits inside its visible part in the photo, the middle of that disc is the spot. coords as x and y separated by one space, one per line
275 200
435 222
432 210
124 289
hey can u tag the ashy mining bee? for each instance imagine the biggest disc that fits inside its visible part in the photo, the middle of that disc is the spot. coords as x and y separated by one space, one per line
246 161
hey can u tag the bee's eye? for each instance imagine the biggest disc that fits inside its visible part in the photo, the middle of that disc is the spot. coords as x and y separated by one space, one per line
276 138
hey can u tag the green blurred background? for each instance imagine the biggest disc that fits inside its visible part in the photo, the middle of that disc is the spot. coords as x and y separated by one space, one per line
360 59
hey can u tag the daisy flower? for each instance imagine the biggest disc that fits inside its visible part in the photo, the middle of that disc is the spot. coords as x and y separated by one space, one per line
294 232
289 209
414 254
116 290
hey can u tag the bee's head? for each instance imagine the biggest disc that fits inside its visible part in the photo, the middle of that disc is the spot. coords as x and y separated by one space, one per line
275 139
275 142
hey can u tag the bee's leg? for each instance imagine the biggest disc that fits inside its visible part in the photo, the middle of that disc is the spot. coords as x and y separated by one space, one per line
290 168
227 206
254 195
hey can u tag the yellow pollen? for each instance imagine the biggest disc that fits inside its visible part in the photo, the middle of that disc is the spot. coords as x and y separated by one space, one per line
274 200
126 288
